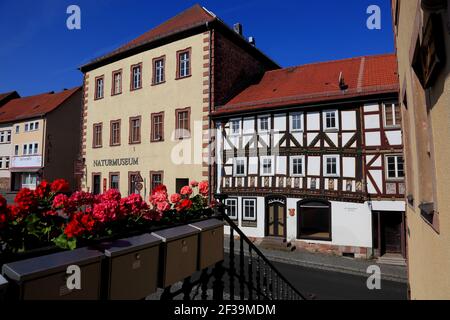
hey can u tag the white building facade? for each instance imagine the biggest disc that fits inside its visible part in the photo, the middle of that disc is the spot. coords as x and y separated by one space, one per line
327 177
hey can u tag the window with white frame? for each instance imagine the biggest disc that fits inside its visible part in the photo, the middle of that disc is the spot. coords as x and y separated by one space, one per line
249 209
240 167
232 210
7 163
136 77
331 120
264 124
8 136
331 166
17 129
99 88
32 126
184 64
395 167
16 150
392 115
267 166
235 126
297 165
296 122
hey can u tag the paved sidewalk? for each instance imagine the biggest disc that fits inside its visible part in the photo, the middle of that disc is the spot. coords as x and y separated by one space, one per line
328 262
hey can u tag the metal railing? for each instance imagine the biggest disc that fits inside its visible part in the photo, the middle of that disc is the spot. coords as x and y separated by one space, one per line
245 274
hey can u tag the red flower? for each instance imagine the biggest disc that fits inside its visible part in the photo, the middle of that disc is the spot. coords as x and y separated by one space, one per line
42 190
79 224
186 191
203 188
80 198
175 198
60 201
185 204
194 184
159 194
132 205
3 204
26 200
163 206
60 185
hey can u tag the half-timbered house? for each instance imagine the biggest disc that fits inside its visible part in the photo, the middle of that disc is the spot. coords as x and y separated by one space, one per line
313 154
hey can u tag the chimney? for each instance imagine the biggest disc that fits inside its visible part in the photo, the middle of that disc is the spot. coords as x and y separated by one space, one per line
252 41
238 28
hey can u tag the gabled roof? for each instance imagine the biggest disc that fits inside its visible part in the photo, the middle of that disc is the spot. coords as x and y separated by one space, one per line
318 82
192 18
34 106
5 97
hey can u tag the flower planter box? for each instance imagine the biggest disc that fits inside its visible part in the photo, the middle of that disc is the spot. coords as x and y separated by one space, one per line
131 267
178 255
3 287
210 242
45 277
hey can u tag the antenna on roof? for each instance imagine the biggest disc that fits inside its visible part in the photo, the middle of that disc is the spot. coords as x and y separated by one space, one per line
342 83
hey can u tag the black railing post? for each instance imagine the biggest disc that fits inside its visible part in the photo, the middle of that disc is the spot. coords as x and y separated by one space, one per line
186 288
204 279
258 278
250 274
231 269
241 270
218 286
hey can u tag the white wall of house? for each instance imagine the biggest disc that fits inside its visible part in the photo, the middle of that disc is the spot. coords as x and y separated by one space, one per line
6 150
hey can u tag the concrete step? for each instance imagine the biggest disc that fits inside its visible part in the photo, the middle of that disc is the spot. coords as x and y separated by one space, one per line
392 259
277 244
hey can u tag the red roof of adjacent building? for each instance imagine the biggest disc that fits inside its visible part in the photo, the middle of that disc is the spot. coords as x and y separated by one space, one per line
318 82
33 106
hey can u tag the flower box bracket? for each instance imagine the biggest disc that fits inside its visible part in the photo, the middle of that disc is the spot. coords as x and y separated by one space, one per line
210 242
178 255
132 267
46 277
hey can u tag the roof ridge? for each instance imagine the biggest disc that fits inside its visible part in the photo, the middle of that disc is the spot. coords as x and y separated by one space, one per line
333 61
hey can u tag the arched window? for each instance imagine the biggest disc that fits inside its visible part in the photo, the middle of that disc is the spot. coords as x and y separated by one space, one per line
314 220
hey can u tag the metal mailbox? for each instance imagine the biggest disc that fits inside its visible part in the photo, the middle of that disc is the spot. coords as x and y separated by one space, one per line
210 242
3 287
132 266
47 277
178 255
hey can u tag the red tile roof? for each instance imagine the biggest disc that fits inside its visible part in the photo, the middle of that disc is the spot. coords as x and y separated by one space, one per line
193 17
34 106
186 20
318 82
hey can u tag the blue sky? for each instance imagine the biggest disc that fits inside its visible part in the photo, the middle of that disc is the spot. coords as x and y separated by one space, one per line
39 54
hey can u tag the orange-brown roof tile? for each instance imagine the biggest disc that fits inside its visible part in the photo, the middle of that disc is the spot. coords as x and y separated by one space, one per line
34 106
318 82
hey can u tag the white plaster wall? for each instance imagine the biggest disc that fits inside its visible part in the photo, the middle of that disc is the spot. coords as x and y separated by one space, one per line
279 122
388 205
372 121
313 120
394 137
373 138
260 216
348 120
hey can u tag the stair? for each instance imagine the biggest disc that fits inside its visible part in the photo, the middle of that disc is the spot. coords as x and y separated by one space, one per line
392 259
275 243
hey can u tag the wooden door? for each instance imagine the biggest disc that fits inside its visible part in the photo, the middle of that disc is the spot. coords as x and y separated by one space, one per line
391 223
276 220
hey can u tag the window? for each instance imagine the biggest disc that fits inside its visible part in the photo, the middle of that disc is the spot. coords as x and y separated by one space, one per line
26 127
36 126
395 167
249 209
99 88
36 148
267 166
25 149
264 124
235 126
331 120
180 183
115 133
231 205
116 82
314 220
114 179
184 63
16 150
296 122
1 163
157 131
240 167
136 76
17 129
156 178
7 163
158 70
135 130
133 183
31 126
97 136
297 165
2 136
331 164
392 115
183 123
96 184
